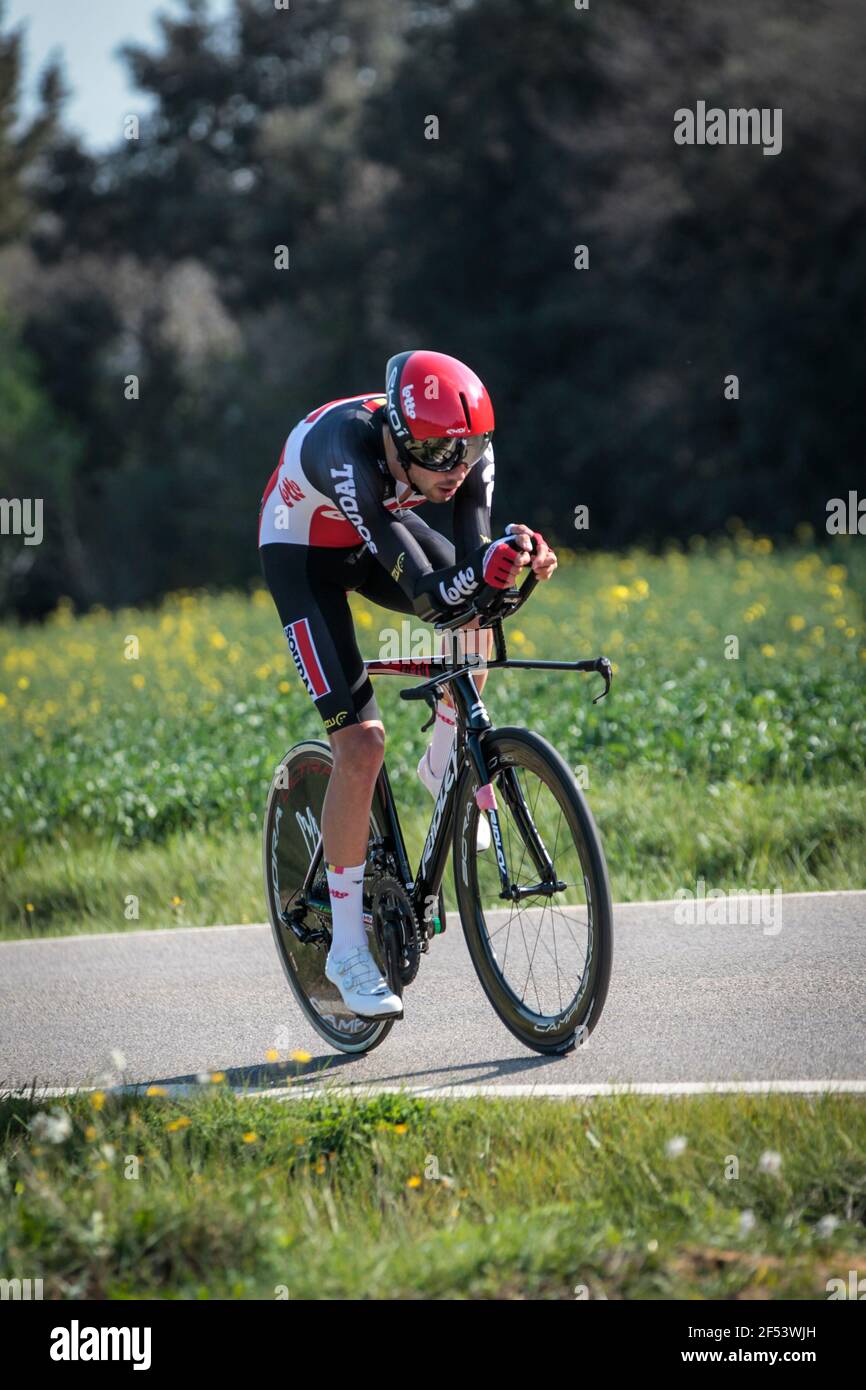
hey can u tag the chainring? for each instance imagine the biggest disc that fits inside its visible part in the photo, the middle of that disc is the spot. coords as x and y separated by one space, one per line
396 929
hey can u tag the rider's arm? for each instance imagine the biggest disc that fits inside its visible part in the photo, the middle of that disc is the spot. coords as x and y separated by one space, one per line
359 492
472 506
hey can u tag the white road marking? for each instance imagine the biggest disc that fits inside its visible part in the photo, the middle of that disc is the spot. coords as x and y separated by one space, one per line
544 1090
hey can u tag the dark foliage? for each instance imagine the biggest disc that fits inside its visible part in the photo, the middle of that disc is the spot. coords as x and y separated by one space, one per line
307 128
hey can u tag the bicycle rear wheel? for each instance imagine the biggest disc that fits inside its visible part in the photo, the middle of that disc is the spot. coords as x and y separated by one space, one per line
543 953
293 819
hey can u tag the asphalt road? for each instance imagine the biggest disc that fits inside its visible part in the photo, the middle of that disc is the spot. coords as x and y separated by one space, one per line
688 1004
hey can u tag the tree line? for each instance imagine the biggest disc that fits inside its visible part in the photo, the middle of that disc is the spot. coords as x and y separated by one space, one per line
671 332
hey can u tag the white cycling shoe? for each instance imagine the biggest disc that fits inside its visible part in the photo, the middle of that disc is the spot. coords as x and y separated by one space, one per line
425 772
362 985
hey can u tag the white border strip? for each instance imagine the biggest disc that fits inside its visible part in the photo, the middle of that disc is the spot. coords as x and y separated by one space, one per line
577 1090
543 1090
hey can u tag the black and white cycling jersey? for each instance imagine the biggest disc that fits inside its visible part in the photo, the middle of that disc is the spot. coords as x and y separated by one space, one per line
332 489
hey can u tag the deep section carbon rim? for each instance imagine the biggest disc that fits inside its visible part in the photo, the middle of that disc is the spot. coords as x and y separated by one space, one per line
543 955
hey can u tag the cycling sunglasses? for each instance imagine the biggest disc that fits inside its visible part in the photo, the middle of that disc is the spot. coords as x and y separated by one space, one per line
441 455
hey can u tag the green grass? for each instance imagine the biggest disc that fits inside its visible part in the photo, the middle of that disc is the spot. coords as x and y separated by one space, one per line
400 1198
136 748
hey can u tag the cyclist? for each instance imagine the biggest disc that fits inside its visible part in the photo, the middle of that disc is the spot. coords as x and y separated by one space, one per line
338 515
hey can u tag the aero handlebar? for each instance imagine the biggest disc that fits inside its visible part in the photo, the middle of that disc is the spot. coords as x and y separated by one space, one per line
491 603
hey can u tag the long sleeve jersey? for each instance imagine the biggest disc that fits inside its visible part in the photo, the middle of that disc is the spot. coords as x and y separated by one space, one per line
333 488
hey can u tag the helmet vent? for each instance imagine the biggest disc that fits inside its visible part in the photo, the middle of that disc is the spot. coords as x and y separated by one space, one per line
466 412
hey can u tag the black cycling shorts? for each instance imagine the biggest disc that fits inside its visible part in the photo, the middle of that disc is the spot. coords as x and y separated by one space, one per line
309 585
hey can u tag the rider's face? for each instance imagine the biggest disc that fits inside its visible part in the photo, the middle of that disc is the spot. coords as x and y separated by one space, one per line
436 487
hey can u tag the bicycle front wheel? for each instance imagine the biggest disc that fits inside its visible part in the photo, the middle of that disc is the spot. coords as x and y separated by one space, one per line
542 949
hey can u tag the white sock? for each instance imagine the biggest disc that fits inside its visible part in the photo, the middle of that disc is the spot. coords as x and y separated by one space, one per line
346 886
444 731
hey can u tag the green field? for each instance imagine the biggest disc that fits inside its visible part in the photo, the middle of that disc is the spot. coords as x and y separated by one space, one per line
138 746
144 779
235 1197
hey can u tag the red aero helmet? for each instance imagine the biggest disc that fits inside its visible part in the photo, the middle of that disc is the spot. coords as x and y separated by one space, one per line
439 411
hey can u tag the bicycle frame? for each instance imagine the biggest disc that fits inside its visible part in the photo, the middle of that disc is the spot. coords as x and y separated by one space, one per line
434 856
473 722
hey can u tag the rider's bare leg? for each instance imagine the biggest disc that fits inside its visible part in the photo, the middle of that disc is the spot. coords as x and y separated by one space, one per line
358 753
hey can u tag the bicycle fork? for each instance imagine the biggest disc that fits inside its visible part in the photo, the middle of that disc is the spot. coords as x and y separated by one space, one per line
477 725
